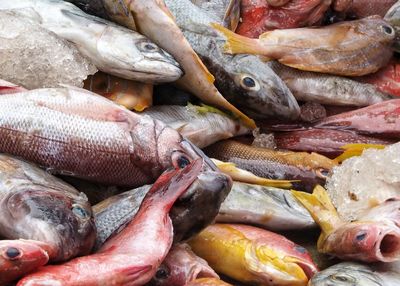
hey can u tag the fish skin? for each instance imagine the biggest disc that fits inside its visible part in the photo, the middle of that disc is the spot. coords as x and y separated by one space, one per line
133 255
358 9
327 89
270 164
208 282
111 48
37 206
202 129
267 207
259 16
269 96
180 267
352 48
393 17
255 255
8 87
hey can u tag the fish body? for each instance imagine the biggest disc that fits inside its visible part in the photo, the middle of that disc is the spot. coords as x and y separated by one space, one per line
8 87
259 16
252 255
208 282
133 256
111 48
180 267
244 80
358 9
201 126
351 48
268 207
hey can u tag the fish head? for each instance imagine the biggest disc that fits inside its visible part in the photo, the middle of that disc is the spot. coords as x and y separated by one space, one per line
61 219
347 274
181 266
19 257
377 29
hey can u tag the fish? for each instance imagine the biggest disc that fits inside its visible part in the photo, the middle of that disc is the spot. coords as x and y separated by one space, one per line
255 255
8 87
133 256
207 282
328 89
309 169
381 119
111 48
271 208
352 273
73 132
393 17
201 125
374 236
20 257
37 206
244 80
131 94
351 48
259 16
357 9
180 267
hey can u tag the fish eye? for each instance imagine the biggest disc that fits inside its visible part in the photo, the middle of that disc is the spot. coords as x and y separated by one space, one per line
180 160
80 212
162 272
12 253
249 83
148 47
341 278
387 29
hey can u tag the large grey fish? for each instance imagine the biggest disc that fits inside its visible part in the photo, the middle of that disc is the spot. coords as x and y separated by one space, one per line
327 89
74 132
245 80
112 49
203 126
357 274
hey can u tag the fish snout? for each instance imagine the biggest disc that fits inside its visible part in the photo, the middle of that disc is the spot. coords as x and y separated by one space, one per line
159 68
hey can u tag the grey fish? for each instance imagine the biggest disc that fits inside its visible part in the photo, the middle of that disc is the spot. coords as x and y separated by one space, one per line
327 89
272 208
393 17
357 274
244 80
112 49
201 126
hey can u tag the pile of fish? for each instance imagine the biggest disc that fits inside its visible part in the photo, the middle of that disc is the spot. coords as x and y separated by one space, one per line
199 142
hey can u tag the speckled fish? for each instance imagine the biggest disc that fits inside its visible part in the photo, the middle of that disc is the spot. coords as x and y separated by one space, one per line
328 89
203 126
244 80
74 132
37 206
352 273
8 87
255 256
133 256
351 48
309 169
131 94
357 9
111 48
208 282
268 207
180 267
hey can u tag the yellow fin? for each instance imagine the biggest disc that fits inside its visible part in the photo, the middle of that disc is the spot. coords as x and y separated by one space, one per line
209 76
351 150
204 109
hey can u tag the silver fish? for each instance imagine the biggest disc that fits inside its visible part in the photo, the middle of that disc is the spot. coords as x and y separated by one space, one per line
112 49
202 128
272 208
244 80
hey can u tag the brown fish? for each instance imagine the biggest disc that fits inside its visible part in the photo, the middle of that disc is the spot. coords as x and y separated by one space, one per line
350 48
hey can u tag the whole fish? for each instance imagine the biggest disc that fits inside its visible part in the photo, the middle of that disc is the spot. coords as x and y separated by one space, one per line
309 169
327 89
393 17
111 48
255 255
259 16
203 126
374 236
207 282
351 48
8 87
133 256
268 207
351 273
243 80
131 94
37 206
180 267
74 132
357 9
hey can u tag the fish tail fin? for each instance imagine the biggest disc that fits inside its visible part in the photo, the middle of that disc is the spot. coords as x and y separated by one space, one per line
352 150
237 44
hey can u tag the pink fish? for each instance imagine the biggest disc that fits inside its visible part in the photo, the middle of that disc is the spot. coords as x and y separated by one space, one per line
8 87
363 8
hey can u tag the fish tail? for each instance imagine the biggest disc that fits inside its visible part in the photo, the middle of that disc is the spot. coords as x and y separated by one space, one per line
351 150
237 44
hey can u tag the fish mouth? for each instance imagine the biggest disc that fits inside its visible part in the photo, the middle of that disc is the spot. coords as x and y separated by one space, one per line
197 272
159 70
388 246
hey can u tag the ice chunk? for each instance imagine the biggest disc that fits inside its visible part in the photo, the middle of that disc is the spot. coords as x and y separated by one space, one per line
366 181
263 140
33 57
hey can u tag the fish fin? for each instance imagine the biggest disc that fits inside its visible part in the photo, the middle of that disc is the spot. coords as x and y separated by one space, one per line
232 15
130 274
265 59
237 44
209 76
204 109
351 150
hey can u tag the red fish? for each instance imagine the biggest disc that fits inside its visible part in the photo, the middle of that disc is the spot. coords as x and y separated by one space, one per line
258 16
363 8
133 256
8 87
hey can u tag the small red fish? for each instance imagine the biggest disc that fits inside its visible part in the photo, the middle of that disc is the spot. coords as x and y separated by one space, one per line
363 8
8 87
